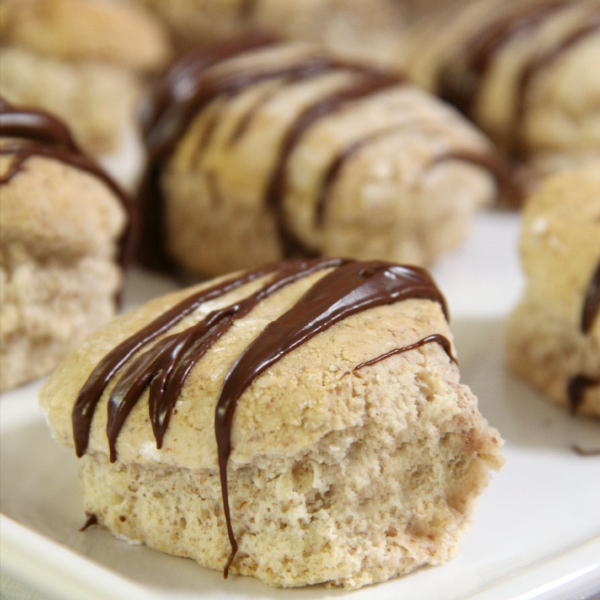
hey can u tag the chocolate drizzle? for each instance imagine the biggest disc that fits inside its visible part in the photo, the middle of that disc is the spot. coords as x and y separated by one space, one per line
91 520
348 288
436 338
577 385
461 87
37 133
190 85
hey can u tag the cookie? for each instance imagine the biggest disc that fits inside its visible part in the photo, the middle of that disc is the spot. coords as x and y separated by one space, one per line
277 150
62 226
554 334
303 423
525 72
85 61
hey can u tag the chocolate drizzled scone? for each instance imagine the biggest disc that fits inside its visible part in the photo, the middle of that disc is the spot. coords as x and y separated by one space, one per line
554 334
303 423
264 150
526 72
83 60
371 30
62 228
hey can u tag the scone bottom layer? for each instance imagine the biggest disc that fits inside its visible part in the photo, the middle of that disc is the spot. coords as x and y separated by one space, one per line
33 132
451 460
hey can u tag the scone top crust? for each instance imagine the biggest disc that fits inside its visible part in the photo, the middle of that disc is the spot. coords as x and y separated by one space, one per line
109 31
53 196
560 246
310 114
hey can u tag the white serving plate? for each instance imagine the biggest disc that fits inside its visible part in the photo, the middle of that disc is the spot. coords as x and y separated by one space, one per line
535 535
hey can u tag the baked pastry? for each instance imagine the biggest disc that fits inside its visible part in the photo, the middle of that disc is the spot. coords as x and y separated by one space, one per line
302 423
264 150
85 61
526 72
63 225
554 333
350 28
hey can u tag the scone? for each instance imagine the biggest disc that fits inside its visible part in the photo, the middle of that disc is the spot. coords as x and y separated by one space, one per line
554 333
63 227
261 150
303 423
373 30
85 61
526 72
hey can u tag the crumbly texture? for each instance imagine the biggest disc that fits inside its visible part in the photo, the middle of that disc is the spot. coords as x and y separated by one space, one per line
397 198
338 476
561 106
100 30
58 276
368 31
560 250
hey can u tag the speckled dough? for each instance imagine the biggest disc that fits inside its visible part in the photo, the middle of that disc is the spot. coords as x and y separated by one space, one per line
401 197
559 127
58 277
338 476
560 250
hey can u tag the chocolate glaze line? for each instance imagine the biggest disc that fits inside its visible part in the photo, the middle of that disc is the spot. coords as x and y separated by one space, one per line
481 49
577 385
34 125
533 68
579 450
337 164
91 520
436 338
166 365
116 359
576 389
349 289
591 303
37 133
367 84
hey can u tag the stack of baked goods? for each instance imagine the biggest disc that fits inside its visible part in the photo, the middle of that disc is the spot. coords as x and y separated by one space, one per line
300 418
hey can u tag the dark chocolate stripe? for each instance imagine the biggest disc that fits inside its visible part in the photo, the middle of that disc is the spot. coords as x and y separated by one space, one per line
351 288
37 133
338 163
577 386
367 83
584 452
462 88
576 389
436 338
166 365
114 361
591 303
